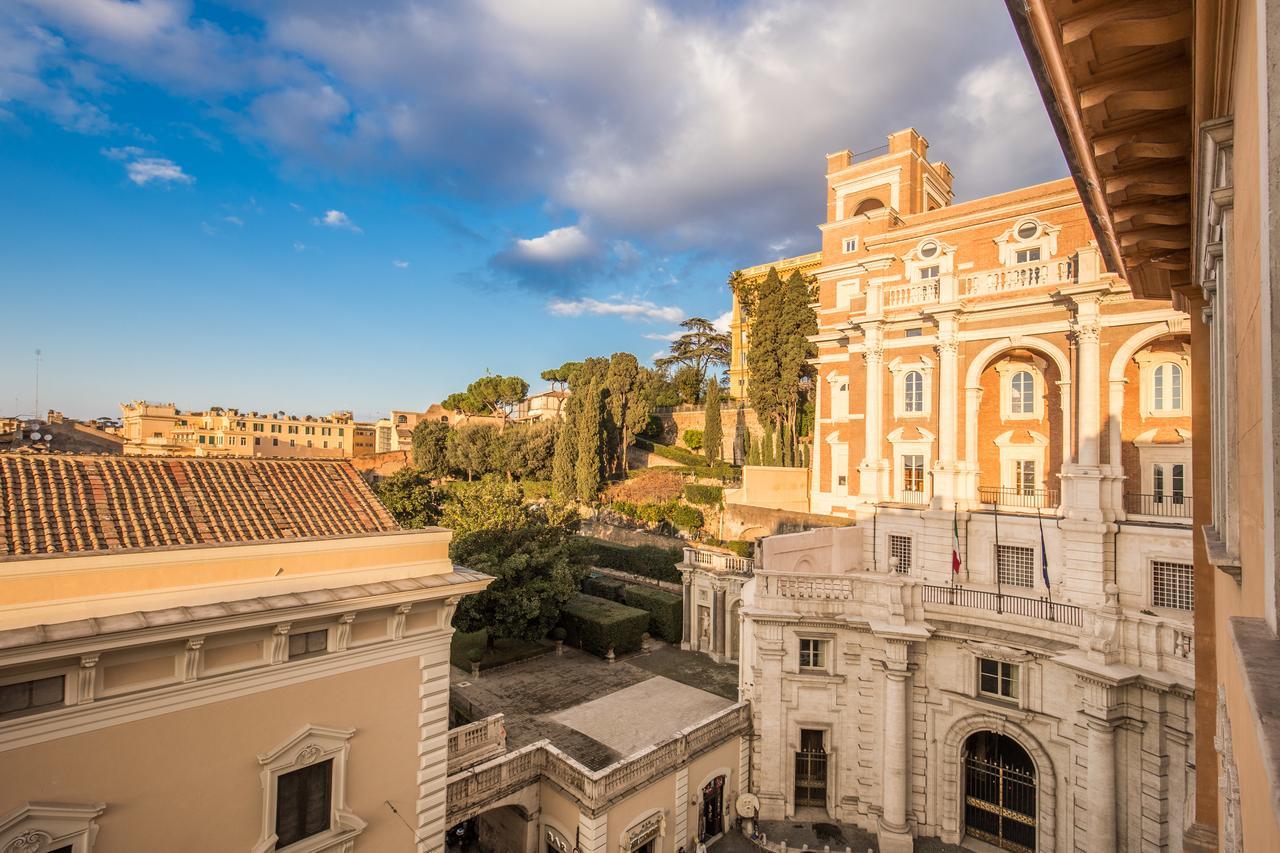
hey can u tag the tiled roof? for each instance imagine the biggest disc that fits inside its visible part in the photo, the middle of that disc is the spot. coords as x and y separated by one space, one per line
69 504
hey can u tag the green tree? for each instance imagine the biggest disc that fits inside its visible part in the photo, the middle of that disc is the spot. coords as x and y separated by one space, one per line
712 429
410 498
530 551
779 374
564 476
430 455
687 382
528 449
475 450
701 347
491 395
589 469
630 390
559 376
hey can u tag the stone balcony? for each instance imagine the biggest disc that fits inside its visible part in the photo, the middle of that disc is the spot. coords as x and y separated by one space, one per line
719 562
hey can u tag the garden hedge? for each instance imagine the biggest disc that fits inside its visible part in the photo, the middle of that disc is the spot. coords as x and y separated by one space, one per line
705 495
665 609
598 624
645 560
603 587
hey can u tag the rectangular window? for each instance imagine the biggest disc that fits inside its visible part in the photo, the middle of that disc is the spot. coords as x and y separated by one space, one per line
850 244
926 273
29 697
293 430
813 653
293 442
842 480
1015 565
1157 484
1171 585
913 473
1027 256
998 678
900 549
340 431
308 442
308 644
303 803
915 333
257 440
275 442
1178 484
1024 476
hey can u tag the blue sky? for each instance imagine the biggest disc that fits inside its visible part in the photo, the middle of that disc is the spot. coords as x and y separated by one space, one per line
311 204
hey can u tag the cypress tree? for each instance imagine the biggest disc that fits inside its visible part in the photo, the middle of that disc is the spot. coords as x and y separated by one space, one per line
753 451
766 446
712 432
563 477
784 445
590 462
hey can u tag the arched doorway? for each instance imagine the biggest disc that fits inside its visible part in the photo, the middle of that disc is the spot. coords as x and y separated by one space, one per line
711 813
999 792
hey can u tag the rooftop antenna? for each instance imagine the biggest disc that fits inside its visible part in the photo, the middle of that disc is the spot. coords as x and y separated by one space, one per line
39 355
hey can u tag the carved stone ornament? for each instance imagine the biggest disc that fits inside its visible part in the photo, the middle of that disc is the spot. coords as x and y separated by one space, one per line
651 826
308 754
28 842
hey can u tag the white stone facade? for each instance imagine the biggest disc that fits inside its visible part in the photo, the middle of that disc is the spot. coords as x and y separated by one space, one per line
1102 704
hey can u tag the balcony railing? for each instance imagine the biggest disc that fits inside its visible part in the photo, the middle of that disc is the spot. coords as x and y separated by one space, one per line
1158 506
998 602
717 561
916 293
1020 277
476 742
914 498
1005 497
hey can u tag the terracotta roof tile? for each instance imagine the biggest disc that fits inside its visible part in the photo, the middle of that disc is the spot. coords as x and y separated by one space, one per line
70 504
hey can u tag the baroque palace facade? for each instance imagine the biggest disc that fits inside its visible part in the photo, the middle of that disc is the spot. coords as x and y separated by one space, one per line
1001 647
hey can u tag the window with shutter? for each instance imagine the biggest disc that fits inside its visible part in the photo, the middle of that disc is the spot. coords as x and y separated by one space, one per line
303 803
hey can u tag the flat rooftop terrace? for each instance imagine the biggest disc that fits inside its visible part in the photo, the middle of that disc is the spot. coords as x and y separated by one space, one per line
596 711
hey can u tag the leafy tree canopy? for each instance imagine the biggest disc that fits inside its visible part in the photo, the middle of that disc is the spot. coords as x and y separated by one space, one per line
701 347
559 376
430 439
410 498
490 395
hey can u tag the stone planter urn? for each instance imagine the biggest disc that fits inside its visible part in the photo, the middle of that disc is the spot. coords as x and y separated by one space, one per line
609 656
558 634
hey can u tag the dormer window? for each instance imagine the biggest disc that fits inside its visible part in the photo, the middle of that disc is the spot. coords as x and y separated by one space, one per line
1027 256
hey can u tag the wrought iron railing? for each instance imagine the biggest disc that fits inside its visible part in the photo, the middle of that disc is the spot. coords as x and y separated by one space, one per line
999 602
1159 506
1005 497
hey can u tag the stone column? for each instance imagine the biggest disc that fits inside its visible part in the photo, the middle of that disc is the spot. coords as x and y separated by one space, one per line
717 622
687 631
894 834
769 717
1088 332
944 485
869 470
1098 703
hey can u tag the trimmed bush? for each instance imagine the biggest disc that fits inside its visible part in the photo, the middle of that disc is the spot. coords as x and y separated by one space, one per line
644 560
705 495
738 546
693 439
597 625
685 517
665 609
604 587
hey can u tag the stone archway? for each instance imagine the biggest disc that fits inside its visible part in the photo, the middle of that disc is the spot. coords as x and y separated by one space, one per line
952 777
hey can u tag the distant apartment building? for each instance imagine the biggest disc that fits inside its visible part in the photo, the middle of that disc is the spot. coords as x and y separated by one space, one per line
546 406
161 429
209 655
395 432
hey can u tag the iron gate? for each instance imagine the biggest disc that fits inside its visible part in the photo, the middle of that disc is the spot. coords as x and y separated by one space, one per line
1000 803
811 778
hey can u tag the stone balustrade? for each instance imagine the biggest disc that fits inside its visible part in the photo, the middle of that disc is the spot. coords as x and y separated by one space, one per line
476 742
471 790
1020 277
718 561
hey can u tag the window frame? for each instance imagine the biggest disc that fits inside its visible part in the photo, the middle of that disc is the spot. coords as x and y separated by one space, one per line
995 564
310 745
909 541
51 826
1007 370
823 650
1006 673
1176 590
849 245
1149 362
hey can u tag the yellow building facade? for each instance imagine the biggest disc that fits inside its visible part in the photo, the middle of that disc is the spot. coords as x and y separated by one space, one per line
161 429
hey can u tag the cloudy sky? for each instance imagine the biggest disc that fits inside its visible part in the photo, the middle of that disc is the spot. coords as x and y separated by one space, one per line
318 204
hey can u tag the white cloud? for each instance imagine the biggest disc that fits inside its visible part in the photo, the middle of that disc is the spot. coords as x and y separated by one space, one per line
400 265
299 247
337 219
143 169
722 322
665 336
560 245
234 220
637 310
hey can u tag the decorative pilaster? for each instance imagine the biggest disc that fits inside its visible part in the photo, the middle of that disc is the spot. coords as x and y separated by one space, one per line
681 811
687 630
717 622
433 746
1099 702
1088 334
944 481
894 833
193 659
770 781
870 471
88 679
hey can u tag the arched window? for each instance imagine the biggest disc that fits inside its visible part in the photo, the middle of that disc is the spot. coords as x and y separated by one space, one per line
1023 401
1166 388
867 205
913 392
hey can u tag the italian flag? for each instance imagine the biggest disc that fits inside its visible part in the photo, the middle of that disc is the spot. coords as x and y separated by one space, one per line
955 545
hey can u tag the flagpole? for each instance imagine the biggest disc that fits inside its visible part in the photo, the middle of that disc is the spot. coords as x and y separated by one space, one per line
999 588
1044 563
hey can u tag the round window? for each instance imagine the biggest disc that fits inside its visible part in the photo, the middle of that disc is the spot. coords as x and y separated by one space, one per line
1027 230
928 250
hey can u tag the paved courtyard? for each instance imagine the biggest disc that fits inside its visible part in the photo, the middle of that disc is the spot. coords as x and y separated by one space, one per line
596 711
